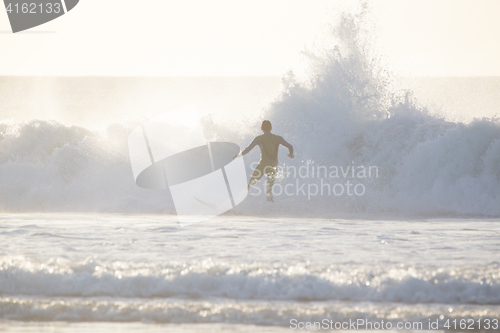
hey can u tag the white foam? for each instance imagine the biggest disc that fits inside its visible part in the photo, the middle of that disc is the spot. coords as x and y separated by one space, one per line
233 312
61 278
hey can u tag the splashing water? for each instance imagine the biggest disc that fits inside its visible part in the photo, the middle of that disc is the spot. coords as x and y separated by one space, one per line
343 115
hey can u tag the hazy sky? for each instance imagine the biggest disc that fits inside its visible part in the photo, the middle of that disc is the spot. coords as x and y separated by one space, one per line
234 38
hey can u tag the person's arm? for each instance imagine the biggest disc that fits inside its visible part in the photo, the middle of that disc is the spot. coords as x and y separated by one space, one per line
289 146
245 151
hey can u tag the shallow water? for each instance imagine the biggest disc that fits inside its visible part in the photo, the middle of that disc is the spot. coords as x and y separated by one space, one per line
127 270
148 328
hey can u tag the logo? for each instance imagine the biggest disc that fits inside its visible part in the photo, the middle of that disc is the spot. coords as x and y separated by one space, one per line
171 152
26 14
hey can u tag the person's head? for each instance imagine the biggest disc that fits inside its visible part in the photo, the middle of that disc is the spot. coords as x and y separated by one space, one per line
266 126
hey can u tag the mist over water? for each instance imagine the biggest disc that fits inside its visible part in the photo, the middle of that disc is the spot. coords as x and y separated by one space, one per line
347 113
97 102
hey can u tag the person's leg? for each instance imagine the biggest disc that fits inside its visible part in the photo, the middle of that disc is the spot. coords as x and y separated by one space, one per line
256 175
271 177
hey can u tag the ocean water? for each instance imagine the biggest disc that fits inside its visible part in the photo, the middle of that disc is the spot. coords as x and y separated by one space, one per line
389 211
147 269
459 99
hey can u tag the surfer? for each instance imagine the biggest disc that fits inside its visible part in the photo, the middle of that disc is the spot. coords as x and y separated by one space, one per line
268 164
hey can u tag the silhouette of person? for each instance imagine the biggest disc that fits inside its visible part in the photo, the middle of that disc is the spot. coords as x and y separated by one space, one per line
269 144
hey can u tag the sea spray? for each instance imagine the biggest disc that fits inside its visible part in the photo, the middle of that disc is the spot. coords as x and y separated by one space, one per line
344 111
343 114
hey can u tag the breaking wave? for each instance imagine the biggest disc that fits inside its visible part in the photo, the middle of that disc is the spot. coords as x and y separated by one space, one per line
258 281
343 114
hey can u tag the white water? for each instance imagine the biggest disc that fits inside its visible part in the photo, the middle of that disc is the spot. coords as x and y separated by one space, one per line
93 268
